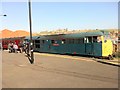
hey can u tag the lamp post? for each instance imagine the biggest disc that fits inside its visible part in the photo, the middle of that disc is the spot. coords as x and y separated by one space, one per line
31 41
3 15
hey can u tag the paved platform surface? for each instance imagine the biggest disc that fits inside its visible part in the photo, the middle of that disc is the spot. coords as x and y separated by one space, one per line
114 62
56 71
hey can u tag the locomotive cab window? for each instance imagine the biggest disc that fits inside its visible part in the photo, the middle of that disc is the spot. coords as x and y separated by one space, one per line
94 38
88 39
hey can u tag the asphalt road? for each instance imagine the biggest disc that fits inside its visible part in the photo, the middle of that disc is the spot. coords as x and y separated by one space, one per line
56 71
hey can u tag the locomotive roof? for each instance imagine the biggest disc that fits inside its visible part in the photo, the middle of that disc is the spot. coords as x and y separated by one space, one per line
63 36
83 34
34 37
74 35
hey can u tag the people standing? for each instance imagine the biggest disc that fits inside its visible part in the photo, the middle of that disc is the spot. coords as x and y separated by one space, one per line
15 47
9 47
21 47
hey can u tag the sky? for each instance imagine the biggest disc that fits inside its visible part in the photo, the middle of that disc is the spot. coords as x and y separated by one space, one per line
48 16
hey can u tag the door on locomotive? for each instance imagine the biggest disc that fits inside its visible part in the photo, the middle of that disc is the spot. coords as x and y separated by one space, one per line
36 43
93 46
103 47
88 45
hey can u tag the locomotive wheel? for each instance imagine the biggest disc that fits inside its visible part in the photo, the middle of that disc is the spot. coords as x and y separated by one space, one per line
110 57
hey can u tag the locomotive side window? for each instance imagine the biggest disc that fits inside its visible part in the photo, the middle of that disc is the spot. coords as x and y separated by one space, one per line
81 40
89 40
37 41
53 41
70 41
63 41
78 41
